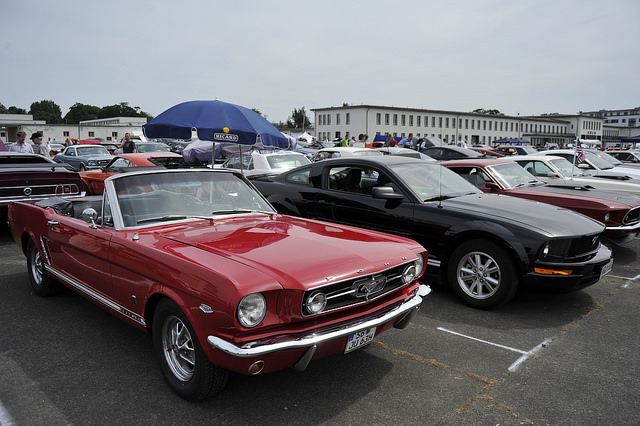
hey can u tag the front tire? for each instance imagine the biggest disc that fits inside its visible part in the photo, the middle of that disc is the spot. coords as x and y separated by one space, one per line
482 274
82 168
41 282
184 364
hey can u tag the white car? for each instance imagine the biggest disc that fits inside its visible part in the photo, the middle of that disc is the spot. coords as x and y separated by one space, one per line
626 156
265 162
339 151
596 163
558 170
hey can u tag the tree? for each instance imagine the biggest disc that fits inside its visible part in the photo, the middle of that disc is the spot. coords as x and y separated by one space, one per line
81 112
298 119
46 110
3 109
487 111
15 110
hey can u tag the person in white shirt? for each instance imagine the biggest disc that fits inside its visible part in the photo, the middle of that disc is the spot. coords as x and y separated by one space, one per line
20 145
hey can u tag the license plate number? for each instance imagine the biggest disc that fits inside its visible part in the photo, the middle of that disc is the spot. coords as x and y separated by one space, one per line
359 339
606 268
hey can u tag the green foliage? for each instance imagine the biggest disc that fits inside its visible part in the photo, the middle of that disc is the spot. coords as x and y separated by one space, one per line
81 112
487 111
46 110
256 110
298 119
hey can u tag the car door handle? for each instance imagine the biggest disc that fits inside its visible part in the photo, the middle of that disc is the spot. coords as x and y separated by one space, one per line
52 223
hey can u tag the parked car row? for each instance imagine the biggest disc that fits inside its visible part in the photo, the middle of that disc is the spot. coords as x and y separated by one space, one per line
275 260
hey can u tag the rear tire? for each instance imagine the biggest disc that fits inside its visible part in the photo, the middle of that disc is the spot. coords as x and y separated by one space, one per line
482 274
41 282
183 362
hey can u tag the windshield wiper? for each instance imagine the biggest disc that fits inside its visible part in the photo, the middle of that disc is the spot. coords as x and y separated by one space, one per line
440 198
162 218
241 211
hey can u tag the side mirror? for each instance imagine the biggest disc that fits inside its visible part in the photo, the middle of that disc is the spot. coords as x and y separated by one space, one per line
386 193
90 215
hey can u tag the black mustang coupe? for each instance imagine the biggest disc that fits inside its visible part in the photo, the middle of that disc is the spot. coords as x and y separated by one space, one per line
483 245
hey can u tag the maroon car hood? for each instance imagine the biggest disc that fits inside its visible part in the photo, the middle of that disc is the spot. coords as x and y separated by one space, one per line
285 247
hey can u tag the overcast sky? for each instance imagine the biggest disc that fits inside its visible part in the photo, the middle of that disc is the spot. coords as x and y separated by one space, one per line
527 57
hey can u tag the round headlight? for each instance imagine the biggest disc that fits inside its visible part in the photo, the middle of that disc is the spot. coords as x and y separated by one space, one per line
92 162
252 309
316 303
409 274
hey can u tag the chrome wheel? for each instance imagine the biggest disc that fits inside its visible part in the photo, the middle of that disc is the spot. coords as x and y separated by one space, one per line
479 275
36 267
179 351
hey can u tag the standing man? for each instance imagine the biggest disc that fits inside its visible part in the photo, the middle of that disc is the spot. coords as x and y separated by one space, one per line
20 145
40 148
128 146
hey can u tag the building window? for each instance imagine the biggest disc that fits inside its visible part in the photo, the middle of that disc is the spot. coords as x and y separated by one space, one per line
395 119
328 119
426 121
411 120
466 123
473 124
484 124
446 123
378 118
65 134
92 135
418 120
348 118
433 122
337 119
386 119
440 122
403 120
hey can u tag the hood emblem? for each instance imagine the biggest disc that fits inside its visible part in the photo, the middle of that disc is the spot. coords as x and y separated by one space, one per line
27 191
369 286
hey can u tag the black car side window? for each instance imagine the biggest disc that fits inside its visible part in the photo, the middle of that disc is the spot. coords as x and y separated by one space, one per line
300 177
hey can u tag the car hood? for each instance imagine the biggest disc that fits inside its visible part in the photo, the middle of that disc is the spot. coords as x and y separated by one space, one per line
298 253
544 218
578 197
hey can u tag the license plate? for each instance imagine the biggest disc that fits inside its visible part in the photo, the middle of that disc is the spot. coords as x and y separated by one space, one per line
359 339
606 268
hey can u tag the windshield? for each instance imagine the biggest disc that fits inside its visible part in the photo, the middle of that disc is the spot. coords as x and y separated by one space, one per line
608 157
163 196
288 161
599 162
93 150
565 167
511 175
433 181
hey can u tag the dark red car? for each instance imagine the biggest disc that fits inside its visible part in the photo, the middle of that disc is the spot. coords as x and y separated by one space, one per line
201 261
618 211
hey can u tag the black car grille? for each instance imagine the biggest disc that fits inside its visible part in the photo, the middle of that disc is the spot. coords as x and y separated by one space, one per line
632 217
359 290
574 249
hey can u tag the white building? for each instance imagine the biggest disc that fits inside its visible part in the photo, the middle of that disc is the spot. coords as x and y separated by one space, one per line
110 129
475 128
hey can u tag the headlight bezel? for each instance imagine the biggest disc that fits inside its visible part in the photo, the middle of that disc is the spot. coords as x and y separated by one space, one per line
251 310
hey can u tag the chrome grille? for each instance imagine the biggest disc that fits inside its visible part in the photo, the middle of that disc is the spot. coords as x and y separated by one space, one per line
358 290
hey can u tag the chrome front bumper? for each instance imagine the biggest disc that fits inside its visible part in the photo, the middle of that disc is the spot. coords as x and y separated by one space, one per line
312 340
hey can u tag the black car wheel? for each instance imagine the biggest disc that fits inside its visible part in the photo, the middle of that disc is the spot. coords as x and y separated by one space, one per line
183 362
482 274
41 282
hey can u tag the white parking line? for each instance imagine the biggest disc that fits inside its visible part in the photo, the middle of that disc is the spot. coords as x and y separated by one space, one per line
5 417
515 365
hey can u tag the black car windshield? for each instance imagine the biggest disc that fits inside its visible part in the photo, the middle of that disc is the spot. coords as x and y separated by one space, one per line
178 195
433 181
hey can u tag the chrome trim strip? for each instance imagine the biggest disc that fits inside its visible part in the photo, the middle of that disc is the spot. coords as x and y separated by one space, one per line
623 228
433 262
248 351
95 295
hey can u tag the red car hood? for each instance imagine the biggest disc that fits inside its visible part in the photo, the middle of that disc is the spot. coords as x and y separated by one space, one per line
298 253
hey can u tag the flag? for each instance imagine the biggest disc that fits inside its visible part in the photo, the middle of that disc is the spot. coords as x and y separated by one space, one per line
579 152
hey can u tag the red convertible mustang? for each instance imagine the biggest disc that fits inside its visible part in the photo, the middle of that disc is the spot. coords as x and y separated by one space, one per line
222 282
619 211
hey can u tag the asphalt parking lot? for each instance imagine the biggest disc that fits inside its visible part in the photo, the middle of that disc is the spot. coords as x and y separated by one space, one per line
546 358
